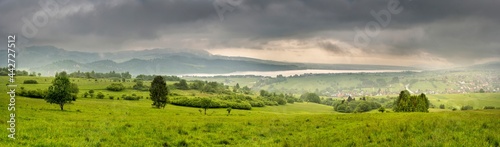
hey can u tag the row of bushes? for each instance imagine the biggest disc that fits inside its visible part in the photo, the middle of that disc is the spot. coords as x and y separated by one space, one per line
30 82
355 106
33 93
215 103
131 97
468 107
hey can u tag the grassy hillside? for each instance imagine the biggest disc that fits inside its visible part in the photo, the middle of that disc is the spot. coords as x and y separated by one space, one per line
477 100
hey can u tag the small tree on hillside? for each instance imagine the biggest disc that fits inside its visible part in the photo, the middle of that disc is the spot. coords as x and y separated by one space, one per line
158 92
206 103
60 91
228 111
381 109
91 93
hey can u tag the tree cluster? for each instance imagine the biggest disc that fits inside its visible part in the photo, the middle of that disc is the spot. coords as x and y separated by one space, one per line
4 71
280 99
355 106
209 87
411 103
93 74
151 77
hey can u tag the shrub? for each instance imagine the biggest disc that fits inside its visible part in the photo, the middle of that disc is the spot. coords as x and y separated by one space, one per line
116 87
30 82
111 97
468 107
381 109
100 95
488 107
257 103
270 103
91 93
441 106
130 97
139 85
281 101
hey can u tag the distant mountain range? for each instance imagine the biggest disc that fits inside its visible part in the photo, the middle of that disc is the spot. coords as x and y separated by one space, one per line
49 59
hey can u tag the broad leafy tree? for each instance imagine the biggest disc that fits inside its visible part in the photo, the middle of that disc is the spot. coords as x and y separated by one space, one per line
206 103
61 91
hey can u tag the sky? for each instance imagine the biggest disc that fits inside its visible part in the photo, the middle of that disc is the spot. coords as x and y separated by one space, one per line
424 33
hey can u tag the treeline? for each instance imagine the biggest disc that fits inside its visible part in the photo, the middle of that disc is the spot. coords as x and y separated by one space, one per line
151 77
95 75
203 86
4 71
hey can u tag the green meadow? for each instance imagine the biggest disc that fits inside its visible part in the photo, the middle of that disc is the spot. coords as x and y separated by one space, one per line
106 122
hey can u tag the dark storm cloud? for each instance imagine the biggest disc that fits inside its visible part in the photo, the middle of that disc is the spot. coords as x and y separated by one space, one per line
457 30
330 47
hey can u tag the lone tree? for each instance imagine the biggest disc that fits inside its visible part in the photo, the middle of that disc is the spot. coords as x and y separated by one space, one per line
61 91
158 92
228 111
206 103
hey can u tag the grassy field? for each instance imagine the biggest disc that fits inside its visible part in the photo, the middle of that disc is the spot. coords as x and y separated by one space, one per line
105 122
93 122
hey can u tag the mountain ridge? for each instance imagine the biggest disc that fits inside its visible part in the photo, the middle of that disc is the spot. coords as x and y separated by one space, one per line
161 61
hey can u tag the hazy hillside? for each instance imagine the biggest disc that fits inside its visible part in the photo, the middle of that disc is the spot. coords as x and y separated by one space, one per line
49 59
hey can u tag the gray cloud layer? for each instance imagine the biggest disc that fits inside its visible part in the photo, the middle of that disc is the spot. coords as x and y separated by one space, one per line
460 31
